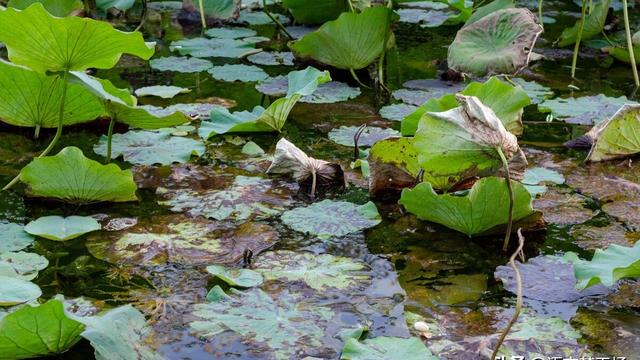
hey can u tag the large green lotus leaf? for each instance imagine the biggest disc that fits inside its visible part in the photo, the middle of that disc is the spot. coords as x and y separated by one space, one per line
498 43
462 143
344 135
103 89
13 237
300 83
149 147
247 197
386 347
60 8
65 44
319 272
38 331
317 12
163 91
506 101
585 110
223 48
24 265
105 5
70 176
119 334
32 99
238 72
485 206
14 290
176 239
182 64
618 136
244 278
286 325
329 218
59 228
593 25
353 41
606 266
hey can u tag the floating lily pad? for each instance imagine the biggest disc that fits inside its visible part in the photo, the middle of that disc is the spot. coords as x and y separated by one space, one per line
149 147
485 207
25 265
275 86
180 240
230 33
245 278
70 176
182 64
165 92
221 48
425 18
344 135
247 197
414 97
13 237
386 348
329 218
585 110
625 211
606 266
260 18
272 58
14 291
593 237
332 92
536 178
244 73
202 110
319 272
58 228
537 93
298 31
397 112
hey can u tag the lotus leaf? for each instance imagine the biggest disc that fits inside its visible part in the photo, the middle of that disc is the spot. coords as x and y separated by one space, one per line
425 18
618 136
593 25
397 112
230 33
415 97
13 237
329 218
344 135
70 176
585 110
562 208
498 43
58 8
244 278
301 83
272 58
38 331
393 165
260 18
330 92
103 89
484 208
536 92
201 110
138 117
32 99
464 142
14 290
606 266
534 179
247 197
182 64
384 347
243 73
58 228
148 147
222 48
220 9
317 12
22 265
505 100
65 44
319 272
351 42
105 5
286 325
163 91
175 239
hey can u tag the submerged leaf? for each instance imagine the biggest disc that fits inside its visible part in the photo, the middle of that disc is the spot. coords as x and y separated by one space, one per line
606 266
58 228
70 176
616 137
149 147
383 347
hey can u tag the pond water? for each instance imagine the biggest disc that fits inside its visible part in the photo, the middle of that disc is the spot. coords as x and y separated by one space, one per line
411 270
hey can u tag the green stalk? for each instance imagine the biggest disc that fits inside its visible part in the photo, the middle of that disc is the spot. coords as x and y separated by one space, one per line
351 6
202 16
576 49
56 137
632 56
36 132
357 79
275 21
540 13
507 174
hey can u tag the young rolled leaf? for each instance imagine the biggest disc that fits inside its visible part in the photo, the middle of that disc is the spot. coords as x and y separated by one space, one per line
351 42
617 137
593 25
606 266
71 177
65 44
301 83
485 207
499 43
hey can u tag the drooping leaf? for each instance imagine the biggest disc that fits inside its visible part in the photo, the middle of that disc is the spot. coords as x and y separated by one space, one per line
38 331
353 41
244 278
584 110
329 218
149 147
319 272
238 72
383 347
499 43
317 12
65 44
58 228
593 25
14 290
70 176
606 266
60 8
138 117
163 91
182 64
344 135
616 137
222 48
13 237
485 206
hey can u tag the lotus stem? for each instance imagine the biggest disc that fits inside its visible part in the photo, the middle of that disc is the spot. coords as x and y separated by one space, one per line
36 132
112 124
540 14
576 49
143 16
351 6
313 183
507 175
632 56
203 19
56 137
278 23
357 79
516 314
